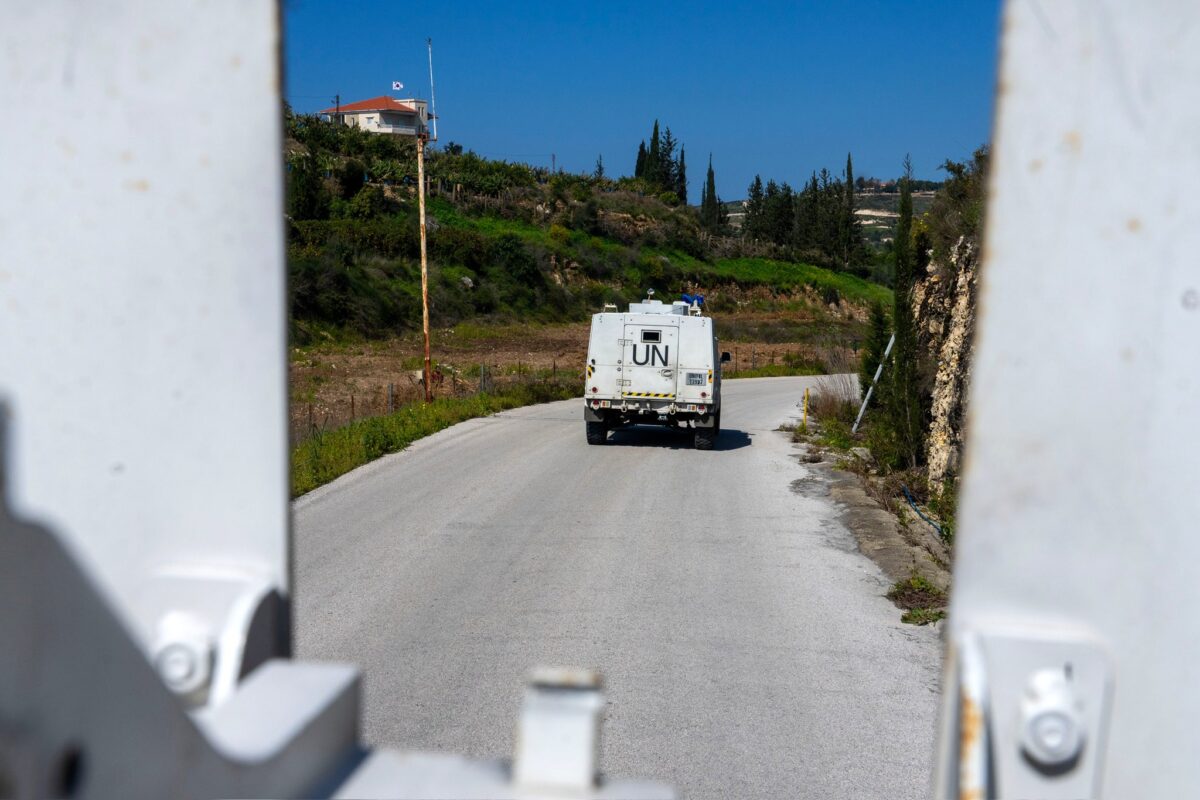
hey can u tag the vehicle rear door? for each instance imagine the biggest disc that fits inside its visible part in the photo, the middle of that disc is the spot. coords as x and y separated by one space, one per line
651 358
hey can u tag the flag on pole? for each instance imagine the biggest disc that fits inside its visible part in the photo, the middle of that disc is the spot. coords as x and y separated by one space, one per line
397 86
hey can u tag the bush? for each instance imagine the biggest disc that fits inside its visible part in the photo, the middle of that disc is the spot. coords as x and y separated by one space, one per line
351 178
370 203
307 197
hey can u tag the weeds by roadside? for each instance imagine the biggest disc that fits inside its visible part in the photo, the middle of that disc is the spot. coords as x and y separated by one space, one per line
923 616
330 454
923 603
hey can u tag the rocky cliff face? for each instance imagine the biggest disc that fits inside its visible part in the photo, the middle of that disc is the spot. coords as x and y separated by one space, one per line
944 312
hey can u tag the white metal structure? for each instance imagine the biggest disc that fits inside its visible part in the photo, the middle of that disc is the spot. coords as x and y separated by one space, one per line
137 249
144 513
656 364
1074 614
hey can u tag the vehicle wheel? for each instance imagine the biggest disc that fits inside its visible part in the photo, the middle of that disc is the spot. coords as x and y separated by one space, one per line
705 438
597 433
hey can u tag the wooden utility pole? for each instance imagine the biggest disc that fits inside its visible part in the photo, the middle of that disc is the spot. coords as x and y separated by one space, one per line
428 378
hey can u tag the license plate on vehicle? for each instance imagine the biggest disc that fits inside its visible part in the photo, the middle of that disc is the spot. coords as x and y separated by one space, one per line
695 379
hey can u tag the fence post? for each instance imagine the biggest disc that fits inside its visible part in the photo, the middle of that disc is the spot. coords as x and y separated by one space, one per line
391 397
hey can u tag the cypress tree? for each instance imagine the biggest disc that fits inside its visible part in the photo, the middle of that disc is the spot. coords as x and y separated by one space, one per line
598 173
905 399
668 167
681 178
639 170
848 222
709 216
854 249
653 171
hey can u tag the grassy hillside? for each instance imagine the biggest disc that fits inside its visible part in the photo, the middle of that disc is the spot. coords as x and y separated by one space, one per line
507 243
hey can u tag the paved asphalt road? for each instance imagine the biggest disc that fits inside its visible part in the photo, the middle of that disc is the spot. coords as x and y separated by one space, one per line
746 645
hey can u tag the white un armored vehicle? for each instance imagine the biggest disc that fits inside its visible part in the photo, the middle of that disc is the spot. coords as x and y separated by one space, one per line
656 365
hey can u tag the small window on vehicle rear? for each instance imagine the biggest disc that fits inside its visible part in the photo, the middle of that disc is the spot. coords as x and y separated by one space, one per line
653 337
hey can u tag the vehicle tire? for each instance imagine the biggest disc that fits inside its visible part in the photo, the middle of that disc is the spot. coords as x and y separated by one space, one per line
597 432
705 438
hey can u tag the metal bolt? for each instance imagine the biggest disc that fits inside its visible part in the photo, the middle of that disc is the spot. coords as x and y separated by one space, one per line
183 655
176 664
1051 720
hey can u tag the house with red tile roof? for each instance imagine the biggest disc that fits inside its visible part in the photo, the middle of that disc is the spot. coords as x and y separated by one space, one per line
383 115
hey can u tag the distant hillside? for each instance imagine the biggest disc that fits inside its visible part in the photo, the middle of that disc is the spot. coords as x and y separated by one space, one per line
878 212
507 242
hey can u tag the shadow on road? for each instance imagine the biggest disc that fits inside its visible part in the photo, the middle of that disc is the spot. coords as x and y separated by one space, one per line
651 436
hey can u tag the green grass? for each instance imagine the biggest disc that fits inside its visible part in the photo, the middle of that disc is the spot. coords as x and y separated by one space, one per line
836 434
331 454
786 275
777 371
760 271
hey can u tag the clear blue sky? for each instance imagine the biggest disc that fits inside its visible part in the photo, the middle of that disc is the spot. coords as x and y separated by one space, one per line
776 88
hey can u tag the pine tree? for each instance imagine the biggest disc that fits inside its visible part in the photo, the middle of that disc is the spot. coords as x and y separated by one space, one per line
598 173
681 178
639 170
906 413
872 354
752 224
778 216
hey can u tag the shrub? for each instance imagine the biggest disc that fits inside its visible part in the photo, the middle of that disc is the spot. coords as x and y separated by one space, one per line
916 592
370 203
351 178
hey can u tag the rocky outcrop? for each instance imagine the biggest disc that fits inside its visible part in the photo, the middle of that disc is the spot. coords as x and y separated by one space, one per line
944 312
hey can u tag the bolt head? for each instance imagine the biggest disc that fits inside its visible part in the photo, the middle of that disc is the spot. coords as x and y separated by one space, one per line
183 655
1052 732
176 664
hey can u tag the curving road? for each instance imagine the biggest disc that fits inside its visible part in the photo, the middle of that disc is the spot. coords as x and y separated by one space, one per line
746 645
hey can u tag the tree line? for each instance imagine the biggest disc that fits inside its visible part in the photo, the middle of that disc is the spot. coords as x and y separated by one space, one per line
658 166
818 221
